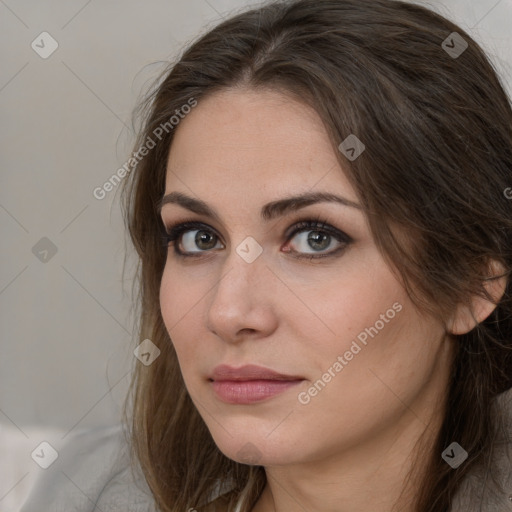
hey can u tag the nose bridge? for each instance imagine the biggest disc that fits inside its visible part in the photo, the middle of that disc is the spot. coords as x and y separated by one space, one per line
240 294
244 268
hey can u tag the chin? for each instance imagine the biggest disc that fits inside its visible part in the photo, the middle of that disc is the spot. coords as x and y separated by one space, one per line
253 449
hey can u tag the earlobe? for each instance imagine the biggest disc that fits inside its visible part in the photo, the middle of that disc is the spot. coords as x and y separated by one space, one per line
468 315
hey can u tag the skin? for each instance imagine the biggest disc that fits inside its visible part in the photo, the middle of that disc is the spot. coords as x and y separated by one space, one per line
351 447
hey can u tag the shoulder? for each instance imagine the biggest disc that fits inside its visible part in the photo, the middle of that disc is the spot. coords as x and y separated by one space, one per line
92 472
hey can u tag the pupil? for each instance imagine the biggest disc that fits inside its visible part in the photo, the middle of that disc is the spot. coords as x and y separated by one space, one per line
317 239
202 236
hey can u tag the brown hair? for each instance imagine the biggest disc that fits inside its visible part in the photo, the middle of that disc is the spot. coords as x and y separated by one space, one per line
438 157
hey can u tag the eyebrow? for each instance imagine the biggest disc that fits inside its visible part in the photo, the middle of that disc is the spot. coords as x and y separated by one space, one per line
268 212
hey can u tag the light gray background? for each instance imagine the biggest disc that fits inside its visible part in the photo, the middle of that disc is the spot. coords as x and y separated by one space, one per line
66 335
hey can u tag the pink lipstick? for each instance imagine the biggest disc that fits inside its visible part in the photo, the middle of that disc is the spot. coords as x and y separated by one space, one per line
249 384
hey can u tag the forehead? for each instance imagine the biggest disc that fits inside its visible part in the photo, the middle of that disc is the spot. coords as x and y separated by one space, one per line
248 141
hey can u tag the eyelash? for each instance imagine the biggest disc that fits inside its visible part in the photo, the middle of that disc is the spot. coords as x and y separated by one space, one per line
174 233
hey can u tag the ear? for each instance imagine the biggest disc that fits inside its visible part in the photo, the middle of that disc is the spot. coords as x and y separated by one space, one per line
468 316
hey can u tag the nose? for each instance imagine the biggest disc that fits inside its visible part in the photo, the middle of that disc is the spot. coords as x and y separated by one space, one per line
243 301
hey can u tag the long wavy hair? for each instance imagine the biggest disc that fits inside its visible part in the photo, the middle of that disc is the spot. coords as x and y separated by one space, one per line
437 167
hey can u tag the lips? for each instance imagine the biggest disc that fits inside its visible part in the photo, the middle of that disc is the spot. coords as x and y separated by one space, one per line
248 373
249 384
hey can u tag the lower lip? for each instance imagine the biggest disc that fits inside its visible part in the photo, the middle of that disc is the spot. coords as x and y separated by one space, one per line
250 391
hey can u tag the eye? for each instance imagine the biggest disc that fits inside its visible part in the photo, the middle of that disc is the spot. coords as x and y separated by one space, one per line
315 237
192 239
192 235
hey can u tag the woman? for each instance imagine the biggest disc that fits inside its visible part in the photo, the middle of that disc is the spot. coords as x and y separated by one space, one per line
317 197
376 102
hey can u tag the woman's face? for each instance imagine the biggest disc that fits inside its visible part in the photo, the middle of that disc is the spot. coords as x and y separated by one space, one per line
341 327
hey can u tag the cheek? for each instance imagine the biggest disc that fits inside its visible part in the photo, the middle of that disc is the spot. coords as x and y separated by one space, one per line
377 329
182 291
168 302
180 304
350 306
369 329
372 386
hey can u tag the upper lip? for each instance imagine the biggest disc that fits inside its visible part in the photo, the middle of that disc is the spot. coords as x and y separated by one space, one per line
248 372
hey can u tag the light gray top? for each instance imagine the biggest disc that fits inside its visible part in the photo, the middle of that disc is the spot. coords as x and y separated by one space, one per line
93 474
